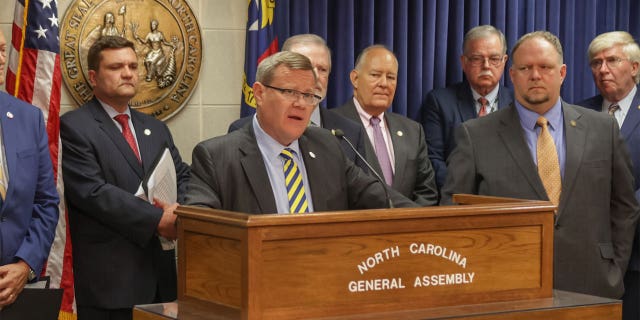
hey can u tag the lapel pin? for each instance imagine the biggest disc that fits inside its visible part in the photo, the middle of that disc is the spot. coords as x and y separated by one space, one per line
573 123
313 155
9 115
639 107
147 132
399 133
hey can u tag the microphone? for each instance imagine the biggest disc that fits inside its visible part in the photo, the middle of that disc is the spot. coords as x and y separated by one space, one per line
340 135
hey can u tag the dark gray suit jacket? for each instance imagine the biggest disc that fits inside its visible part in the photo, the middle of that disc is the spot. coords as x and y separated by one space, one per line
597 213
444 109
228 173
630 131
414 176
117 258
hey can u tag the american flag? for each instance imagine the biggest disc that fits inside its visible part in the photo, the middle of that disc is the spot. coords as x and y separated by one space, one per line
34 76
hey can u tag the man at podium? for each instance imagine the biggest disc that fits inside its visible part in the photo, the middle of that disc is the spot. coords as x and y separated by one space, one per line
280 164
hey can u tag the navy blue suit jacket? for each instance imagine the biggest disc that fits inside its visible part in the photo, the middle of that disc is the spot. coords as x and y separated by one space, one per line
630 131
444 109
117 258
30 209
331 120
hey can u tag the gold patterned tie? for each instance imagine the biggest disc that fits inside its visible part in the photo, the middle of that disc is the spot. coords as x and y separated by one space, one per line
548 164
613 108
3 184
295 185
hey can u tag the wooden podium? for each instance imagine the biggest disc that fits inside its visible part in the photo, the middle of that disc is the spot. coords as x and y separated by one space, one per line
492 255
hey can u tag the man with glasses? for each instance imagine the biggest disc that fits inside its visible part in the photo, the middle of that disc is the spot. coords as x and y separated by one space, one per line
541 148
483 61
278 163
316 49
396 148
614 59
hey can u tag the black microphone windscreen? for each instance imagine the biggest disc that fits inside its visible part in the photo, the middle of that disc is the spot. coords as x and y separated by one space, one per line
337 132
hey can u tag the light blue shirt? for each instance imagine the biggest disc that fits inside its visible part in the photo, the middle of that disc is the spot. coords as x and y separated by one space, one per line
531 130
270 150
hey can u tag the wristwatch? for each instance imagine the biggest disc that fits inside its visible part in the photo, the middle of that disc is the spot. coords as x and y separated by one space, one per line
31 276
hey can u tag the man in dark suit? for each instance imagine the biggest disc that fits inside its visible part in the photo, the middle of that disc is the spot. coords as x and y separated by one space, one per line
278 163
118 260
396 147
28 196
614 58
542 148
315 48
444 109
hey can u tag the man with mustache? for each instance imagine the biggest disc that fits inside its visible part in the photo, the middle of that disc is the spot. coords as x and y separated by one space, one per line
542 148
614 58
483 60
396 147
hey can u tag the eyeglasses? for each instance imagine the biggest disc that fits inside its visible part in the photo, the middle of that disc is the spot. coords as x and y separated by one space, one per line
294 95
478 60
611 62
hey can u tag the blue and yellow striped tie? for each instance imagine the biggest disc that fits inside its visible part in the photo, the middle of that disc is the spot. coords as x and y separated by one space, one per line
294 183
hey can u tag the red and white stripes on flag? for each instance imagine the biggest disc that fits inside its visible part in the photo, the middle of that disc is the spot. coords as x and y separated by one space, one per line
34 76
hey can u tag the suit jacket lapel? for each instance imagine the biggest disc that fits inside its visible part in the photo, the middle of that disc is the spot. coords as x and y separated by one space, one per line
10 147
106 124
400 149
255 171
632 120
510 128
314 167
352 113
504 99
575 133
146 140
466 104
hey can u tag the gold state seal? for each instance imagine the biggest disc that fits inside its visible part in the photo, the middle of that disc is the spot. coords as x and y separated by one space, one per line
168 44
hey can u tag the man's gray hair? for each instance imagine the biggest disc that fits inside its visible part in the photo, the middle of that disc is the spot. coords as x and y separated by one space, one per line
482 32
306 39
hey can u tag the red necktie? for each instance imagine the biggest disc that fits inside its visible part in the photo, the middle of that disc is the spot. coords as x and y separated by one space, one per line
123 120
483 107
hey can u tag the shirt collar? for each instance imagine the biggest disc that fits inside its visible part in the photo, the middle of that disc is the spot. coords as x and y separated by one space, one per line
491 97
269 145
365 117
624 104
529 118
111 111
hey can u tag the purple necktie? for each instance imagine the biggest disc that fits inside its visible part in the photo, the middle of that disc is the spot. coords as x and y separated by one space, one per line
381 150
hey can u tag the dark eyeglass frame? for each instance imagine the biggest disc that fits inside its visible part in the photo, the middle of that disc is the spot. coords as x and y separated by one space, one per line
294 95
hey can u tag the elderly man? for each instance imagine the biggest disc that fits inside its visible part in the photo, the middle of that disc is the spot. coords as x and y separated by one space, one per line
545 149
315 48
614 58
278 163
396 147
483 60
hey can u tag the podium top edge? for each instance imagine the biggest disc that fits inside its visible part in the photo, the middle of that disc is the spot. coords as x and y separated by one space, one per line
248 220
